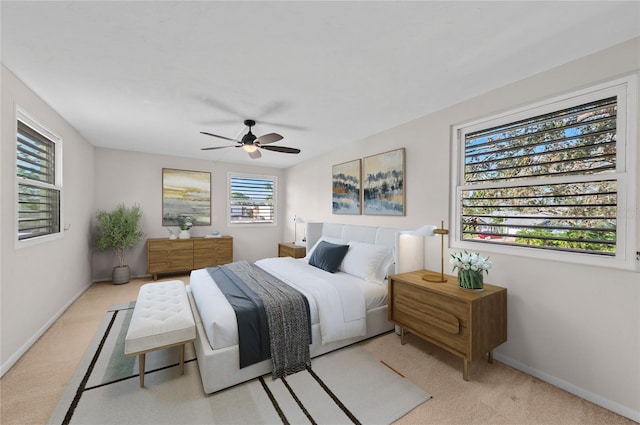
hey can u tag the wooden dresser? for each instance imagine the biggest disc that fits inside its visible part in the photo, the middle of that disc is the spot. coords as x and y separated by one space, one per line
291 250
183 255
469 324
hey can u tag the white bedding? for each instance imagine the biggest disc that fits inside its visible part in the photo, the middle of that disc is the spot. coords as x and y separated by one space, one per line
337 301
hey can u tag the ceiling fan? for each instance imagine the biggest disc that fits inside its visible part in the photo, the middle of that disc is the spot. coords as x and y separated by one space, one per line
251 144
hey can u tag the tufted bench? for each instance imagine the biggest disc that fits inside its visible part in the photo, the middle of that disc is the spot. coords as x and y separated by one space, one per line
161 318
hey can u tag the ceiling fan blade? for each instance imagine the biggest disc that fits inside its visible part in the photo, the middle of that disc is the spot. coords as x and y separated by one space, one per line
282 149
219 147
219 137
255 154
268 138
284 125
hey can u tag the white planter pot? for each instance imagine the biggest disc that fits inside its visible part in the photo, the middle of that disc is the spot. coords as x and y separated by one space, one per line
184 234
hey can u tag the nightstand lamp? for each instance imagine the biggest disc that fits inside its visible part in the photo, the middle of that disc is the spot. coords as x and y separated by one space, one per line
432 231
296 220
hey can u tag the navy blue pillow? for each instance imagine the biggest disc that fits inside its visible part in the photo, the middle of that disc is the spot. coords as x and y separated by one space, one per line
328 256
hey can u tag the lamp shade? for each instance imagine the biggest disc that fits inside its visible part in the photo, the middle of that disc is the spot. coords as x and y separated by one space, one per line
298 220
426 230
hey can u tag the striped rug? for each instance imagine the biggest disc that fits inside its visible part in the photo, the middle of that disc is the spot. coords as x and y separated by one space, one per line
345 386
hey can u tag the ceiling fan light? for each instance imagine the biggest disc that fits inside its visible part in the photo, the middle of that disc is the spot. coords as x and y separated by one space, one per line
249 147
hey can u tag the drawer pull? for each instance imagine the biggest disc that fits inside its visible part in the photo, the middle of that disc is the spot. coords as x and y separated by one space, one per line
430 315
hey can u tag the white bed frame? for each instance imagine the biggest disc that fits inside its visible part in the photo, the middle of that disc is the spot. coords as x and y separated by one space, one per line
220 368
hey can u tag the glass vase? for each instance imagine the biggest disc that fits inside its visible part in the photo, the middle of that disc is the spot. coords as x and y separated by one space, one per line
470 279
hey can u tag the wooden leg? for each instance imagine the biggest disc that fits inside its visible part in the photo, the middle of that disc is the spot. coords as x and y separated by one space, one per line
401 335
465 369
141 367
490 357
182 359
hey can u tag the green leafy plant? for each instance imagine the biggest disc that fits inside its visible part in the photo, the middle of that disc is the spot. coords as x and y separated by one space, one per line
119 230
185 222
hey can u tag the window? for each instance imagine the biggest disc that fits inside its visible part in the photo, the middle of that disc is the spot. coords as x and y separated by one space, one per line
38 171
556 177
251 199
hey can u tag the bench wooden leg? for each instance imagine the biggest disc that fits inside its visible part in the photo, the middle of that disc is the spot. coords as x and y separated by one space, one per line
141 367
182 359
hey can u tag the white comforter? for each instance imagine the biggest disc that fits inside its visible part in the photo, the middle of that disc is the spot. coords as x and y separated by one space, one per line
336 303
341 305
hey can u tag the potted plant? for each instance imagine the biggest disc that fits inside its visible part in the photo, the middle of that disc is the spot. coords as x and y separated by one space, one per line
119 230
470 266
185 223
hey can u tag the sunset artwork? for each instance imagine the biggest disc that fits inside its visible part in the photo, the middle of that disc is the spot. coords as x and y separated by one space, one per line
186 194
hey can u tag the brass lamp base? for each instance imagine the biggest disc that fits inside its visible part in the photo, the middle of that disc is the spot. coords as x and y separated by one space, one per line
434 278
441 277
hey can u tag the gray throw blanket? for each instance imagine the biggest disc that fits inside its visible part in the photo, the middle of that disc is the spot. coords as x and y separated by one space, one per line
287 317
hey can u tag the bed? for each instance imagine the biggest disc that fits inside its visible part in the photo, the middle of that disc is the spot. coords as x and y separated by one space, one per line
216 343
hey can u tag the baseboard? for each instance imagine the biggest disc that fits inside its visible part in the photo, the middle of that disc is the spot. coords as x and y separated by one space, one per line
4 368
108 279
571 388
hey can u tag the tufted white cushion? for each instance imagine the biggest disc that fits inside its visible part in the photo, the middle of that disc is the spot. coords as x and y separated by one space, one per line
162 316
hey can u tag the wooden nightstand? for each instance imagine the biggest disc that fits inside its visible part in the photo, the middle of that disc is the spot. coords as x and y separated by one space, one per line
466 323
291 250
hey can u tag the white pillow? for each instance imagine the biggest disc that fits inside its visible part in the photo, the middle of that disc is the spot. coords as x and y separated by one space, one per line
367 261
329 239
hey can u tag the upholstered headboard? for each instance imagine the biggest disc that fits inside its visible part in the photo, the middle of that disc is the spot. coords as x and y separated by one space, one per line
349 232
413 253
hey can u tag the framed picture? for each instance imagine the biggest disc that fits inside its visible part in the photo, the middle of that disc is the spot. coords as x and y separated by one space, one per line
346 187
383 183
186 194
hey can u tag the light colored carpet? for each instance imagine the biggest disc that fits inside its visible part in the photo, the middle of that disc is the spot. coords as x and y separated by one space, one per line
345 386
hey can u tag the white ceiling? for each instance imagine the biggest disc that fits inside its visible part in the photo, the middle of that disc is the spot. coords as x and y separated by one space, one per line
149 76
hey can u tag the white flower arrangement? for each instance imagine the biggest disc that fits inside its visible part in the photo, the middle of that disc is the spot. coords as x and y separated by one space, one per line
470 261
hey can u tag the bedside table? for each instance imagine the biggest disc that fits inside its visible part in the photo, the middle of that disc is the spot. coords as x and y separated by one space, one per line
469 324
291 250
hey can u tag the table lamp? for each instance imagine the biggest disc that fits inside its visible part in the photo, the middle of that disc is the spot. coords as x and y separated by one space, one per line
441 231
296 220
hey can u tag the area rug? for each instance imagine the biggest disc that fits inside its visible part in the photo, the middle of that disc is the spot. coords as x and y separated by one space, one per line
344 386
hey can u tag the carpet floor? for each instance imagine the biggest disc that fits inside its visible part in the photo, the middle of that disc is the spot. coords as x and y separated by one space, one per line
345 386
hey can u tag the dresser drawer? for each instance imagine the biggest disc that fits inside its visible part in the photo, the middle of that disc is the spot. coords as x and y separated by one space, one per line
224 251
204 258
183 255
169 245
432 316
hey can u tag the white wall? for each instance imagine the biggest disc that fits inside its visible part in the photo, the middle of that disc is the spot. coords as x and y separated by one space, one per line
575 326
132 177
38 282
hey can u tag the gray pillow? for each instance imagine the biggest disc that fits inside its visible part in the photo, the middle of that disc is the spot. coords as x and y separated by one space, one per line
328 256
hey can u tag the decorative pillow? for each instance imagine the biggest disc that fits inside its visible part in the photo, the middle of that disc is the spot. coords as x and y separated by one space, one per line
328 256
335 241
368 261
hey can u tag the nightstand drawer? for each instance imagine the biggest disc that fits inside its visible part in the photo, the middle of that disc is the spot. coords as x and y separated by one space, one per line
432 316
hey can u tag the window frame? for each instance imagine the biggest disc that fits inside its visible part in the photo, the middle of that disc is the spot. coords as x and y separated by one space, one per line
274 179
626 90
24 117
